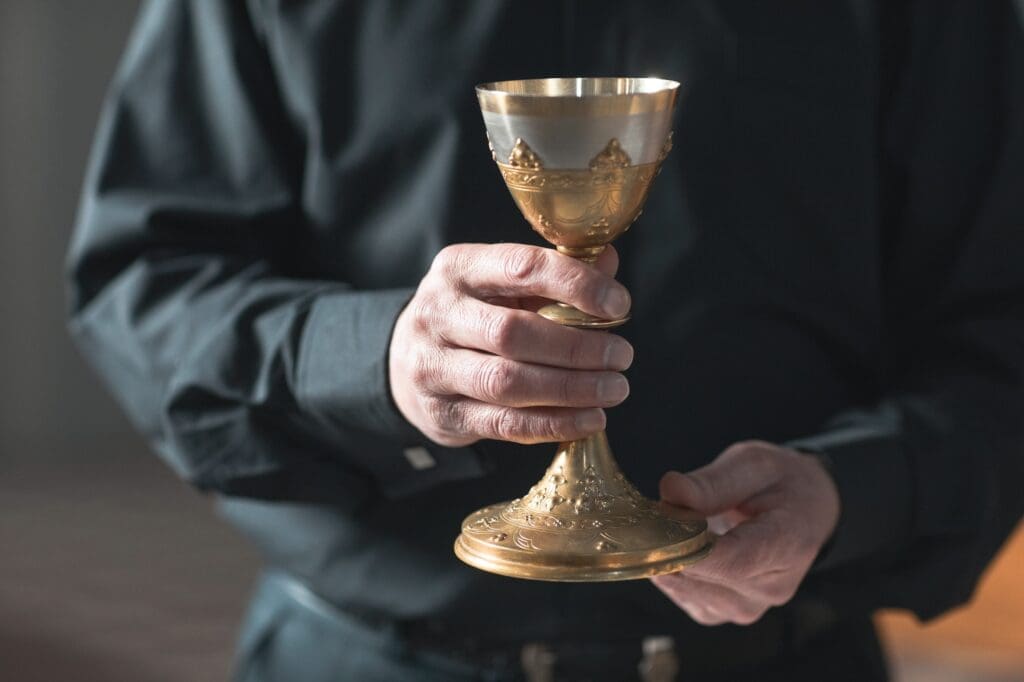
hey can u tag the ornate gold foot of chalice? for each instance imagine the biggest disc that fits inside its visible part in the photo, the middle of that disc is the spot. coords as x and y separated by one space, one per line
578 156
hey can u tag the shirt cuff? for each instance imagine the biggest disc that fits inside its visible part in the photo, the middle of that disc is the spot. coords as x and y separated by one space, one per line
343 384
872 473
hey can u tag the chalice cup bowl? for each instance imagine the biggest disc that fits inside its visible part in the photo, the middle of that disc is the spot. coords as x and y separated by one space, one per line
578 156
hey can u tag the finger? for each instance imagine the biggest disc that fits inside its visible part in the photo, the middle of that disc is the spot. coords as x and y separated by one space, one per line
760 547
488 270
734 558
710 603
695 609
733 479
774 587
527 337
500 381
608 261
710 600
526 425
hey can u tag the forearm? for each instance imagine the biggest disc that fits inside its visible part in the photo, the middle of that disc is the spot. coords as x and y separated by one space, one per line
930 486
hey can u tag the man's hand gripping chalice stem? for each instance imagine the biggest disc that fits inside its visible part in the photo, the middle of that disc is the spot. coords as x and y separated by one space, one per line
469 360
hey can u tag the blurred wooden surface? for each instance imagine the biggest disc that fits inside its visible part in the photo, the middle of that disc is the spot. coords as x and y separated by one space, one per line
112 570
980 642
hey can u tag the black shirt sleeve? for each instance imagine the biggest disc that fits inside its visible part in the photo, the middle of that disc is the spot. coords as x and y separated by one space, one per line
248 376
931 477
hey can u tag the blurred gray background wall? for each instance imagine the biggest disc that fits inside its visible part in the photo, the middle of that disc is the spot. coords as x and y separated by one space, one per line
56 58
110 568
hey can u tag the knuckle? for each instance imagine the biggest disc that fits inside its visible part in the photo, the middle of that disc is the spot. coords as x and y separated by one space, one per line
444 413
501 332
506 425
555 428
705 485
757 454
540 429
576 280
778 592
447 259
422 312
421 371
697 614
784 595
495 379
705 616
523 263
435 411
749 615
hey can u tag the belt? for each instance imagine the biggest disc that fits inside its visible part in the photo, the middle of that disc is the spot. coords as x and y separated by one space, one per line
655 658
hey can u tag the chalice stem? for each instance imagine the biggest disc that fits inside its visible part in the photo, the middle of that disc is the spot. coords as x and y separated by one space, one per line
587 254
569 315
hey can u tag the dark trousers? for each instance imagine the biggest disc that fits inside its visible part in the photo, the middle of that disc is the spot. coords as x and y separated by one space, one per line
291 634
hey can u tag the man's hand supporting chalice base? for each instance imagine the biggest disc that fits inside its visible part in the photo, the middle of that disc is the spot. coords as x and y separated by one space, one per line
774 508
469 359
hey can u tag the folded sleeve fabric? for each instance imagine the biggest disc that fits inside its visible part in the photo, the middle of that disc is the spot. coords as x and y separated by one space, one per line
249 375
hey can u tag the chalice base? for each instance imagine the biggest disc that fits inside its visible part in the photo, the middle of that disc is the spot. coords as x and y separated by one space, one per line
583 522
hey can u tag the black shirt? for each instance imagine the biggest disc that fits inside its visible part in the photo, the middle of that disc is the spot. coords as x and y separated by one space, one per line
838 234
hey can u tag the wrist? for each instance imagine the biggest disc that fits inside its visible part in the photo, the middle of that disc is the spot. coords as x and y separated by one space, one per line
398 379
821 464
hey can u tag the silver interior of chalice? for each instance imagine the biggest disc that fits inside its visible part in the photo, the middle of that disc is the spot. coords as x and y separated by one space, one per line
568 120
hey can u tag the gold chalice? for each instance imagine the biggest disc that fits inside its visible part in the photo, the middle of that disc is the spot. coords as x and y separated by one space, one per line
578 156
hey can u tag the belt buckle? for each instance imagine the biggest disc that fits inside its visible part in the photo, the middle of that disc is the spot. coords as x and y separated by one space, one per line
538 661
658 664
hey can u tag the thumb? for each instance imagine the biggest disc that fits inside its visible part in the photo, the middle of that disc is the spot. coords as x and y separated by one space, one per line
739 473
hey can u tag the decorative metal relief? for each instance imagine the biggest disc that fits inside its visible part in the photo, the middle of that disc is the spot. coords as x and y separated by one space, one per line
589 510
522 156
612 156
580 208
